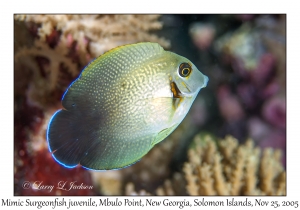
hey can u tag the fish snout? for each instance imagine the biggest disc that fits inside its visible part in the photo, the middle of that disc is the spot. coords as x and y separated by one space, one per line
206 79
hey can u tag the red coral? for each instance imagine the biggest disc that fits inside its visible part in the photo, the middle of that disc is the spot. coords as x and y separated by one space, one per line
39 166
43 170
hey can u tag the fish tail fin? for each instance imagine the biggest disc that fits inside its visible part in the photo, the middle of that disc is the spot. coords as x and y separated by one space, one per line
65 135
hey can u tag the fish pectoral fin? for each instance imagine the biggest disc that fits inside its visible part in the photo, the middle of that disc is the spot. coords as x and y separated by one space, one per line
163 134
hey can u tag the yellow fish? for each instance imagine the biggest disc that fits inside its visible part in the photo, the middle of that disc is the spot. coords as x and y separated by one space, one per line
123 103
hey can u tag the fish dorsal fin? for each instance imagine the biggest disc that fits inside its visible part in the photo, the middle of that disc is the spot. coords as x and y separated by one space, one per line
117 62
144 49
137 53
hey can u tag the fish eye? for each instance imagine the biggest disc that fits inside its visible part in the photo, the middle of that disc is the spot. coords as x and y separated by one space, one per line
185 69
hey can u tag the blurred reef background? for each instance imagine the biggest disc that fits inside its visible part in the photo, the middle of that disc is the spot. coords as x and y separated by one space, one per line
233 140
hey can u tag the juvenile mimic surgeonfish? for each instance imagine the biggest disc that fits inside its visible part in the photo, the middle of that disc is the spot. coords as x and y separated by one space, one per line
122 104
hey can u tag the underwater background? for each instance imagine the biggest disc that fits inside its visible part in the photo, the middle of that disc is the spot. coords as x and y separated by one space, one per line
233 140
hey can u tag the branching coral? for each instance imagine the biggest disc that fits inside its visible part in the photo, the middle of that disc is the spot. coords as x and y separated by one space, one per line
129 190
96 34
108 182
174 186
45 79
225 168
68 42
229 169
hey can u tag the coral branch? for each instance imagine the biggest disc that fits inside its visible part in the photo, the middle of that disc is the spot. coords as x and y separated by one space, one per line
233 169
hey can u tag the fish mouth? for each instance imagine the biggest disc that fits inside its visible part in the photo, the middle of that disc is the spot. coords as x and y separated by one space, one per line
205 81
